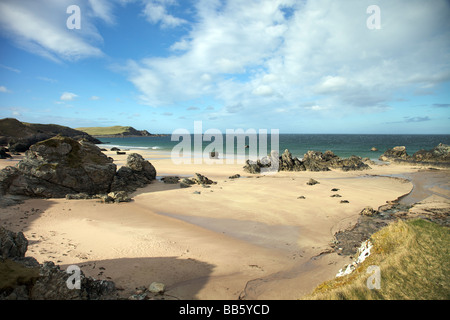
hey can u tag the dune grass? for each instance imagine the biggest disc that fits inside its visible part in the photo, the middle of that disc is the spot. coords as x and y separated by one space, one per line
414 262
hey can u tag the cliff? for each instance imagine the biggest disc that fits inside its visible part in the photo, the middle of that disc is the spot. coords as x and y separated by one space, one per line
19 136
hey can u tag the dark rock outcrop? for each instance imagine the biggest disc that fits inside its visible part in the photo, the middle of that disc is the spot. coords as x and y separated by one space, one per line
287 163
394 153
19 136
201 179
252 167
198 179
12 245
28 280
112 197
4 153
312 161
137 173
439 155
52 285
170 179
61 166
368 211
312 182
58 166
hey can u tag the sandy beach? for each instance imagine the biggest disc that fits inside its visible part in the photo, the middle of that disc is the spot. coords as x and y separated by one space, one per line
251 237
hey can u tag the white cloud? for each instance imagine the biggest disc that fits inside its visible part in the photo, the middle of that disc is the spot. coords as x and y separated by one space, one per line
224 42
332 84
263 90
10 68
103 10
156 12
95 98
40 27
4 89
249 55
316 108
47 79
18 111
68 96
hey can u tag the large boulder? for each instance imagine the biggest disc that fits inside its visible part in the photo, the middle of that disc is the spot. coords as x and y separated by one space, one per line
59 166
288 163
4 153
137 173
353 163
12 245
253 167
395 153
316 161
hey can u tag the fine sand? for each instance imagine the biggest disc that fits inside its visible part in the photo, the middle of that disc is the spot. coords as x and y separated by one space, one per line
250 237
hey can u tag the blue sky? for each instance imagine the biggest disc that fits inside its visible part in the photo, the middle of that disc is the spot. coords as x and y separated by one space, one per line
299 66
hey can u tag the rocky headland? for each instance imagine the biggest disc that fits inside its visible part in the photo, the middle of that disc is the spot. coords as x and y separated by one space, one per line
19 136
117 132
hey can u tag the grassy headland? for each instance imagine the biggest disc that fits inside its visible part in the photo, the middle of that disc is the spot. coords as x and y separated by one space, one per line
414 265
115 131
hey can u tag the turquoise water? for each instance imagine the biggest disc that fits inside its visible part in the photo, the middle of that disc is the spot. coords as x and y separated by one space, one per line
343 145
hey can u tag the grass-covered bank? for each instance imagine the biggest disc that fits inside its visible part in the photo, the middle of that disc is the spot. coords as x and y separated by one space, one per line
413 257
118 131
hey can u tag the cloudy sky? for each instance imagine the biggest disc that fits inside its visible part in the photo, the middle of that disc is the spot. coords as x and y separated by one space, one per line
300 66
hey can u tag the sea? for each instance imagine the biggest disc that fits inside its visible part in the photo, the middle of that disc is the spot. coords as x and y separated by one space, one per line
343 145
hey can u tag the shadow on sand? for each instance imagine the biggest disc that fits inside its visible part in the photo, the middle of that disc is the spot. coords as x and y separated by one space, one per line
183 277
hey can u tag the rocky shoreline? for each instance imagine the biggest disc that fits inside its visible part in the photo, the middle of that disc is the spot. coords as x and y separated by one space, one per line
312 161
349 242
317 161
438 156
